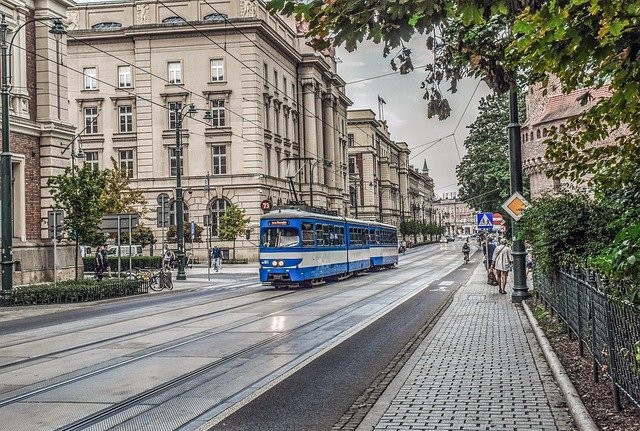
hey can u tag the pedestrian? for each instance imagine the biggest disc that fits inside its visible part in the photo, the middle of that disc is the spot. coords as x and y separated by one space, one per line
99 263
502 261
105 260
216 258
167 258
529 259
488 247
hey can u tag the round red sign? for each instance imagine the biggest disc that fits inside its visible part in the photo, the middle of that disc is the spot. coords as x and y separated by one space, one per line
497 218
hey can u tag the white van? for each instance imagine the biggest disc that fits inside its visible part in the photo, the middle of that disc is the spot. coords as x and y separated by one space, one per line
136 250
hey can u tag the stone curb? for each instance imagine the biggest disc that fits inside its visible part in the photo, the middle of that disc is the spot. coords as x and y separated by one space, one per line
578 411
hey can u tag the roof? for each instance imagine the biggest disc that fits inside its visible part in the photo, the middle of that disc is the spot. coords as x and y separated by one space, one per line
563 106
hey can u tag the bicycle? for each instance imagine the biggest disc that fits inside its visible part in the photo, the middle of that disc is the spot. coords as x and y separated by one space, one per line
144 275
164 280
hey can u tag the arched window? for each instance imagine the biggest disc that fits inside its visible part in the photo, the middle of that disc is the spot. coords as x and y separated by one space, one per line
172 213
107 26
538 133
215 17
173 20
217 208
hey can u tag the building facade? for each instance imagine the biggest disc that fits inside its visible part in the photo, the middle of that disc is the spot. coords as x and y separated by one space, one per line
547 111
271 113
455 216
38 129
382 184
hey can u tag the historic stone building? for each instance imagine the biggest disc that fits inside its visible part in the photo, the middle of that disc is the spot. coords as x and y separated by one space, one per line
38 131
546 112
274 108
382 184
455 216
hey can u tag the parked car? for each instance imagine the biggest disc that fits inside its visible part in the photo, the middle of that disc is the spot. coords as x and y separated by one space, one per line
443 239
85 251
450 239
125 250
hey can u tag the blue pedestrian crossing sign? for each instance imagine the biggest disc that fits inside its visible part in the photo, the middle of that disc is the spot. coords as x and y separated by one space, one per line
485 220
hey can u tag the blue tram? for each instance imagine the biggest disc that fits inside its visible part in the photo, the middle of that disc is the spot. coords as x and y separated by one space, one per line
299 247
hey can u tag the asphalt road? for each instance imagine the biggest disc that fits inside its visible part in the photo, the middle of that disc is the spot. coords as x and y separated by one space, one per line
337 389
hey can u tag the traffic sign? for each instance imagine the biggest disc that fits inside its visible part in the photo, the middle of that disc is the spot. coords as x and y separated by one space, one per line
485 220
497 219
515 205
266 206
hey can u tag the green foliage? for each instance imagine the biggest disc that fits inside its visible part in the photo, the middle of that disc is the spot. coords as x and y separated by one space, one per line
118 197
483 173
71 291
77 192
566 228
233 223
172 233
143 235
411 227
588 44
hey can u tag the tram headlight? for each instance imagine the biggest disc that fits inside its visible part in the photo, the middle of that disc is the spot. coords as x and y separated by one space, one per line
274 263
281 263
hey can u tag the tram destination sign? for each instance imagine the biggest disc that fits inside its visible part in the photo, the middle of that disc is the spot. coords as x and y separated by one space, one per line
278 222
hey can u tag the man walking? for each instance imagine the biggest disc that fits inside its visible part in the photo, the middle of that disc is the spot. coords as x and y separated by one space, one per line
216 258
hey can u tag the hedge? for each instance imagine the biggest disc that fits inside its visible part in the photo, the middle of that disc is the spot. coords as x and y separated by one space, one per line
72 291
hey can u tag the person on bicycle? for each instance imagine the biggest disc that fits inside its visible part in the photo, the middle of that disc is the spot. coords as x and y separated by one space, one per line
216 258
167 258
466 250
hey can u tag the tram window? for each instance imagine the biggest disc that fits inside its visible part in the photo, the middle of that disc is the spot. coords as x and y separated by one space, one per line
307 235
319 235
280 237
341 236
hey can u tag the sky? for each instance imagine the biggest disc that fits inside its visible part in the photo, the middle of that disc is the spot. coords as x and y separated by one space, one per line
406 111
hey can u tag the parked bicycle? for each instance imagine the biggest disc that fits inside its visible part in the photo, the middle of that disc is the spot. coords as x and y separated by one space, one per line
158 280
143 274
164 280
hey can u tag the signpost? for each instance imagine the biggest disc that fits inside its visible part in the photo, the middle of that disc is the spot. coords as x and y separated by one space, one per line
515 205
266 206
113 223
55 220
484 220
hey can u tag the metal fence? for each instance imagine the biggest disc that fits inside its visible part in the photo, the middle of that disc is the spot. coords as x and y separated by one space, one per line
72 292
606 326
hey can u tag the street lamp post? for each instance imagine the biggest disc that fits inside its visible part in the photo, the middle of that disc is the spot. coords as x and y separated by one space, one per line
520 290
6 207
179 115
209 227
80 155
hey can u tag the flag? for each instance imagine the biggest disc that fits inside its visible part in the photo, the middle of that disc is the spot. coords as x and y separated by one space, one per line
381 101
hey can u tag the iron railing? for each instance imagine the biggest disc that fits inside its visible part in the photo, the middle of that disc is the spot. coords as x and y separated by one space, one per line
605 325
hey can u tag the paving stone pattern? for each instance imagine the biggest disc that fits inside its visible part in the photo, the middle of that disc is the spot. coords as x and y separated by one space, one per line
479 370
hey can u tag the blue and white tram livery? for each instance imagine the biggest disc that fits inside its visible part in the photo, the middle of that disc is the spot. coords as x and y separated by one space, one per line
299 247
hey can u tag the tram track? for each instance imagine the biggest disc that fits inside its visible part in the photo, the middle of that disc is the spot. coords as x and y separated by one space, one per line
171 385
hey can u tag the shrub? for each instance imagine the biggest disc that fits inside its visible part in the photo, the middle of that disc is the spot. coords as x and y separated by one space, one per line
71 291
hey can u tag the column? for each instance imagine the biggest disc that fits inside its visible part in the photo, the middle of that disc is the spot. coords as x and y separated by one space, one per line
308 111
329 142
320 136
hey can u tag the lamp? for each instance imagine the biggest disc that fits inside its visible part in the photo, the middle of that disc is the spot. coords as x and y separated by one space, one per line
6 210
179 114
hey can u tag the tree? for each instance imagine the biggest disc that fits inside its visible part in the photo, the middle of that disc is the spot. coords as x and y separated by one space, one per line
172 233
143 236
588 44
233 223
78 193
483 173
118 197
